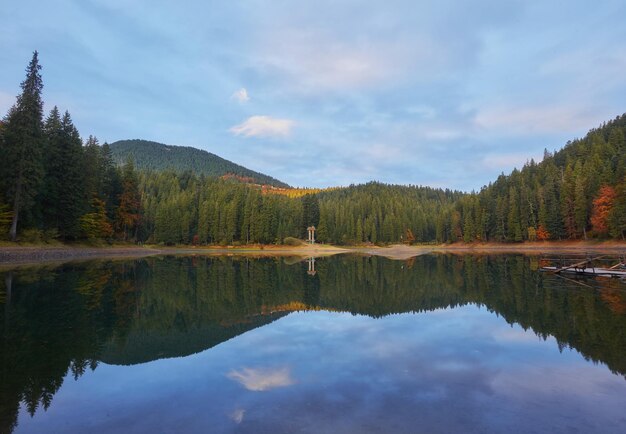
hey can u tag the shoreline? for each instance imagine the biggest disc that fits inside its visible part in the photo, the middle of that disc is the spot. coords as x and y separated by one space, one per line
29 255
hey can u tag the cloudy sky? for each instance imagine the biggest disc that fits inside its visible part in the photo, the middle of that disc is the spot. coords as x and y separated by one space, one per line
326 92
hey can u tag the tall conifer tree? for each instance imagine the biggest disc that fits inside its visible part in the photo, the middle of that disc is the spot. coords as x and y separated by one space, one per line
22 146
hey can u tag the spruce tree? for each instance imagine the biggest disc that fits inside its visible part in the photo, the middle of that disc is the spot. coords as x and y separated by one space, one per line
50 193
310 211
72 196
111 181
21 165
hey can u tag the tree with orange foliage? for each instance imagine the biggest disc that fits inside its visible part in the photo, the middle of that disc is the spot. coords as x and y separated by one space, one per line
410 238
542 234
602 206
129 211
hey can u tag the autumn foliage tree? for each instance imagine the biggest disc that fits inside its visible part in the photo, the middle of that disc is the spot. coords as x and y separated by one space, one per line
96 224
542 234
129 211
602 207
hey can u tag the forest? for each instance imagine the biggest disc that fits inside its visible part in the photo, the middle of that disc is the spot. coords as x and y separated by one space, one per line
55 186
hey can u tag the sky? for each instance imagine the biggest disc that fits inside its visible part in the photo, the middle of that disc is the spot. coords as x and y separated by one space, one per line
325 92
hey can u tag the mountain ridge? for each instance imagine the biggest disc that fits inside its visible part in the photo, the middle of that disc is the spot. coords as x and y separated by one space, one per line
152 155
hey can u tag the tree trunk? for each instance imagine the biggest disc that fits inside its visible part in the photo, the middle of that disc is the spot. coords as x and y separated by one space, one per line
16 212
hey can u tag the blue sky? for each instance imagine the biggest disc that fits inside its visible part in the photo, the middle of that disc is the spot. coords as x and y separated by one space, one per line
327 92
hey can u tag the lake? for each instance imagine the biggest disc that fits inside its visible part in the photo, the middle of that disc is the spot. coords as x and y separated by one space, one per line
343 344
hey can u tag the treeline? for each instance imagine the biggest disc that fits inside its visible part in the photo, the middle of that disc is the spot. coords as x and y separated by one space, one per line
56 187
380 213
187 209
203 210
575 193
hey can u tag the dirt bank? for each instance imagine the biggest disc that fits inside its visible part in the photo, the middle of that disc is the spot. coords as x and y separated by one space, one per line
27 255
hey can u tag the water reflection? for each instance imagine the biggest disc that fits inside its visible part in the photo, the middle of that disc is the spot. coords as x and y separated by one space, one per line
261 379
444 364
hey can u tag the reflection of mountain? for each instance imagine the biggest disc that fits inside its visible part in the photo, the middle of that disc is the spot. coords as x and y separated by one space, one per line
133 312
141 346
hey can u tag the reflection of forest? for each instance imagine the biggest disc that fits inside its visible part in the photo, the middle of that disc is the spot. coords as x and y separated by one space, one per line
75 316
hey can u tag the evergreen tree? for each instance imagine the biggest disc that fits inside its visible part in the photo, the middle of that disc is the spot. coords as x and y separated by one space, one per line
65 177
50 193
310 211
581 203
617 216
111 183
21 165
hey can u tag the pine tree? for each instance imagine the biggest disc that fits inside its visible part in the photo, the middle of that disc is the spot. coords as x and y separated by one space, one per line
513 221
359 231
581 207
617 216
65 178
21 165
50 193
92 165
111 183
310 211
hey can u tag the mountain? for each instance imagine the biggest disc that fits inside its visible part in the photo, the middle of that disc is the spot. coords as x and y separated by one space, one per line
157 156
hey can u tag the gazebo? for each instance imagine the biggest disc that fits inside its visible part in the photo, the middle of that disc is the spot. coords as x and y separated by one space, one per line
311 234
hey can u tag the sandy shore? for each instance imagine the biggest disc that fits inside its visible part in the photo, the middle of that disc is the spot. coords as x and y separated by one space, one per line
15 255
44 254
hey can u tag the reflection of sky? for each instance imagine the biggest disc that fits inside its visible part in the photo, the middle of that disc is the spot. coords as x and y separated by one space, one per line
452 370
260 379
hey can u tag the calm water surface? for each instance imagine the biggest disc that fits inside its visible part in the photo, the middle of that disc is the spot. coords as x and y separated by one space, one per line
437 344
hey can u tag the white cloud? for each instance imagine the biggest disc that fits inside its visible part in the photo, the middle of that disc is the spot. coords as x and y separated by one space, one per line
259 379
507 161
237 415
241 95
263 126
538 119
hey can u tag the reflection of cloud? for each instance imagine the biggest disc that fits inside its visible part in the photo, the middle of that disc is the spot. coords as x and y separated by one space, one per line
238 415
514 335
259 379
241 95
263 126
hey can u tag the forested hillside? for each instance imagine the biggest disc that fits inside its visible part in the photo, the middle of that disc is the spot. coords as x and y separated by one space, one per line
377 212
157 156
186 208
54 186
575 193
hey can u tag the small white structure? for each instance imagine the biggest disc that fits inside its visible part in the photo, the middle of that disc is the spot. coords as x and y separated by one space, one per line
311 234
311 271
